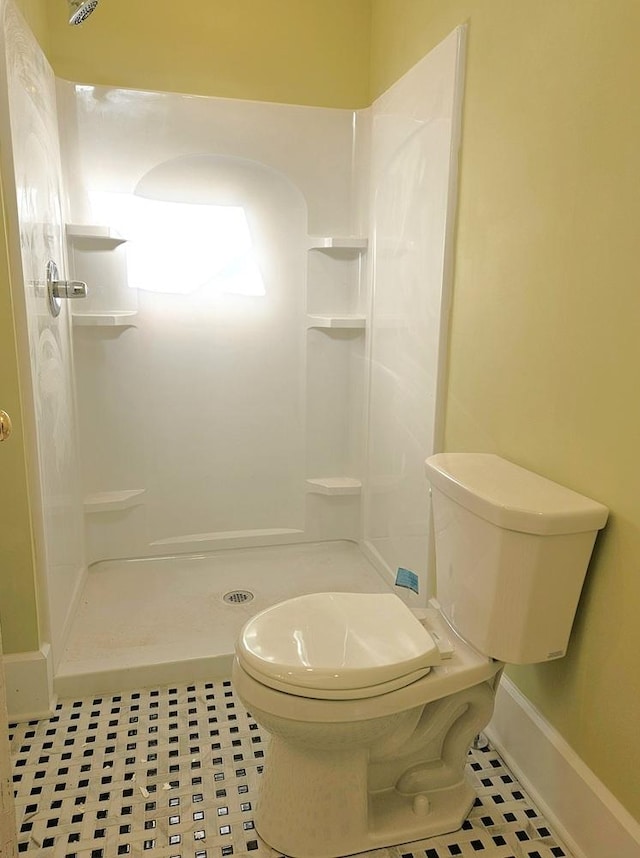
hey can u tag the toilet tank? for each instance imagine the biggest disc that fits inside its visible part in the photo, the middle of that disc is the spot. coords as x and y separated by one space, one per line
512 549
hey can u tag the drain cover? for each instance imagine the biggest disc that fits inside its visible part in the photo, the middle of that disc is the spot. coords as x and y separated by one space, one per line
237 597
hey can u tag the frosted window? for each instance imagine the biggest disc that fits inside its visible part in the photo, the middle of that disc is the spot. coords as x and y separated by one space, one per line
183 247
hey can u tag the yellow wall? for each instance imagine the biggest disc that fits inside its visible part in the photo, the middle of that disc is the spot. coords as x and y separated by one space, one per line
545 344
18 612
18 605
296 51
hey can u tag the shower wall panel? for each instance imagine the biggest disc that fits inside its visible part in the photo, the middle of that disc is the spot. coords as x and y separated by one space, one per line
203 400
34 198
414 141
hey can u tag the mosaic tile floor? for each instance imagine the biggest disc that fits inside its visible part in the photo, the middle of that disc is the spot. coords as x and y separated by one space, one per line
173 772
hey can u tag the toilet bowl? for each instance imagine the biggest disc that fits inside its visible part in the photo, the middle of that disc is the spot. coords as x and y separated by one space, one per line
370 711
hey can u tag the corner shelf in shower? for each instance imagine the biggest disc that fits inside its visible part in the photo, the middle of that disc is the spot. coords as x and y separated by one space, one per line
103 235
346 322
335 242
334 486
113 501
117 319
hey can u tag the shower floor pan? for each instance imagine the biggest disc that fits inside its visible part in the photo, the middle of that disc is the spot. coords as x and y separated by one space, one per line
164 620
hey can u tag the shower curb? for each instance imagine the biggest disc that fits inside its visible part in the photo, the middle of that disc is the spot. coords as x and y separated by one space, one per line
79 682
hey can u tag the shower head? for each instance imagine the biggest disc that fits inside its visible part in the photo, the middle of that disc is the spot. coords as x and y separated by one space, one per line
80 9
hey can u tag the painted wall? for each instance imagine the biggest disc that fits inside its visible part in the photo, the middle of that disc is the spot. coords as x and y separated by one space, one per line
17 583
544 342
17 578
294 51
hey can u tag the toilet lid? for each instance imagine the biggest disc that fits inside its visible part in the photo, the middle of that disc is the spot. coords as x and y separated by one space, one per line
336 641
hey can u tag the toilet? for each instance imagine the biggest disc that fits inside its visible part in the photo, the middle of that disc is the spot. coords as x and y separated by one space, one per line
371 707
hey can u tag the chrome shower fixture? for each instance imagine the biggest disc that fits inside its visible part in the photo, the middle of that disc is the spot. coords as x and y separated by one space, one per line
80 9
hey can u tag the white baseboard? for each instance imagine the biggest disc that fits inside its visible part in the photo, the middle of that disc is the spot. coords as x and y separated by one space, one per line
584 813
29 682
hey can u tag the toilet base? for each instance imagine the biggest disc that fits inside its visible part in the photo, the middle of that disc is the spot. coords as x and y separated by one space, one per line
302 815
411 785
304 818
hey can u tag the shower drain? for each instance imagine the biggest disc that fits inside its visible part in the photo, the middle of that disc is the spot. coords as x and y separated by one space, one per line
237 597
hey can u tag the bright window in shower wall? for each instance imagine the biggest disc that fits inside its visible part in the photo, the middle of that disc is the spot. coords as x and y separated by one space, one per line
181 248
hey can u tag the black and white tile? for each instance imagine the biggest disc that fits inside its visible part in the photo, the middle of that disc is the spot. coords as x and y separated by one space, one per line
173 773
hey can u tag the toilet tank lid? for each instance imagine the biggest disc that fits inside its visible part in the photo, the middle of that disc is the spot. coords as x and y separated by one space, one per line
512 497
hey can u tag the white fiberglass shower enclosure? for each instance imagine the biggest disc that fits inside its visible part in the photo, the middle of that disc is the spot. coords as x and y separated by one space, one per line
259 360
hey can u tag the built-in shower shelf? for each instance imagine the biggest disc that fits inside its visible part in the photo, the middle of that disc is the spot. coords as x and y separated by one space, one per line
113 501
335 242
346 322
334 486
102 235
117 319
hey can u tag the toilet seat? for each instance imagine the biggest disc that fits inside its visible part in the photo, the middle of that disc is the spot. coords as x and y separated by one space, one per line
335 693
337 646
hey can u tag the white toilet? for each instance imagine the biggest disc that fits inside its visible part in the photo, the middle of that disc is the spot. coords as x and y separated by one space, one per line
371 711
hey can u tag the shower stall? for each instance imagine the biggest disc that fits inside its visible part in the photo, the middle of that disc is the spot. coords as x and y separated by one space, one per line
239 409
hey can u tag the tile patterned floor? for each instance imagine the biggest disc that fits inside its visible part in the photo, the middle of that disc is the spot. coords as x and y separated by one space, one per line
173 772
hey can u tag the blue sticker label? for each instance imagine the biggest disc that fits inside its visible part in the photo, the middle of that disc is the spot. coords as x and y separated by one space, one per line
408 579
